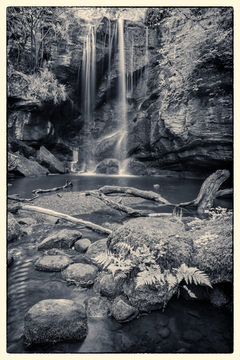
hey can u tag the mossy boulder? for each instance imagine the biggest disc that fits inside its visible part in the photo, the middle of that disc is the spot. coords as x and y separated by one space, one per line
165 237
55 320
80 274
52 263
14 230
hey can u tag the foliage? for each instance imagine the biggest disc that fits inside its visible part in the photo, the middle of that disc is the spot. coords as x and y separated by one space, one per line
140 265
212 244
31 34
41 86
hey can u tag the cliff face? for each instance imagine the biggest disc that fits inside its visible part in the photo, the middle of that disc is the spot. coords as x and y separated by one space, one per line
179 92
186 119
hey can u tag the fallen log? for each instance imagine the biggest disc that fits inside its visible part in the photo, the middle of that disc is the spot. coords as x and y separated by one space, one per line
117 206
89 225
42 191
148 195
208 191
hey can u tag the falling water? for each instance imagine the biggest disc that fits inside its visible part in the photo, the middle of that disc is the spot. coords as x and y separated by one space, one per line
122 142
146 61
88 95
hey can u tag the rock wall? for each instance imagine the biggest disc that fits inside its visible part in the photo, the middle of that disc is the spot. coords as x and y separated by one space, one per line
186 118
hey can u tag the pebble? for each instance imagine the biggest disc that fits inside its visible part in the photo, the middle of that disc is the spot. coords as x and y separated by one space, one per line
164 332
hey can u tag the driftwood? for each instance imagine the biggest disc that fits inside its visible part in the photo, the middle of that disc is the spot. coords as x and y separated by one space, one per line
224 193
16 197
208 191
43 191
87 224
148 195
117 206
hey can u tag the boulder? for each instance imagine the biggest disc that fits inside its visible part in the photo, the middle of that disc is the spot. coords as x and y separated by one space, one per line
108 166
48 160
21 166
123 312
80 274
82 245
95 249
52 263
55 320
109 286
98 307
14 230
63 239
218 298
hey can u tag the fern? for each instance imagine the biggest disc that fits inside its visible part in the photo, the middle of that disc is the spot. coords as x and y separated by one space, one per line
190 292
192 275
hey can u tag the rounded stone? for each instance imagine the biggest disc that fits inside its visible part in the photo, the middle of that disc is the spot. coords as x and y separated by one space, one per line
109 287
82 245
80 274
122 311
13 228
163 320
63 239
164 332
52 263
98 307
55 320
95 249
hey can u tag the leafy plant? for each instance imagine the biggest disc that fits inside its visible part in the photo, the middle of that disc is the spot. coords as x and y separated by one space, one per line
144 266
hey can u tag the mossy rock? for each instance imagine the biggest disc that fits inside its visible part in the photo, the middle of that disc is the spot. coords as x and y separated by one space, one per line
167 235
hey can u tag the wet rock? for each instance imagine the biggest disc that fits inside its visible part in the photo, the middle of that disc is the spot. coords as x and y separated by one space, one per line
109 286
82 245
48 160
14 230
95 249
61 239
218 298
10 259
98 307
51 321
22 166
164 332
52 263
80 274
163 320
108 166
192 335
122 311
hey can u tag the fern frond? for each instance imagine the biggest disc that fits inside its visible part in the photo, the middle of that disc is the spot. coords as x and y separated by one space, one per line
171 280
192 275
145 278
104 259
190 292
121 275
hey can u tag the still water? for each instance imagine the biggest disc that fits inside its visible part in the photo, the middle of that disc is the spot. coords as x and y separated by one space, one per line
184 326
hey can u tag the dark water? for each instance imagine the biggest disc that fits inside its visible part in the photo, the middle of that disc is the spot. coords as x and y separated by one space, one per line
173 189
194 327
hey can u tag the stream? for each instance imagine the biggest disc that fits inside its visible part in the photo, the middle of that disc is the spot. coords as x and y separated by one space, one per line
184 326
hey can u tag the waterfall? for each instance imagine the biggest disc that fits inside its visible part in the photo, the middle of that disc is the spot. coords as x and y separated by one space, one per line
146 61
121 147
88 96
74 161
